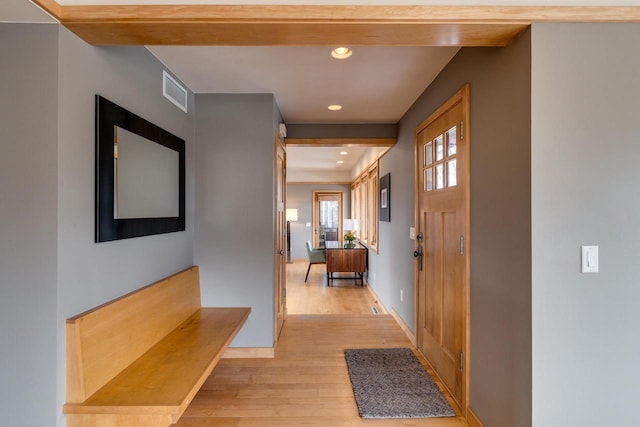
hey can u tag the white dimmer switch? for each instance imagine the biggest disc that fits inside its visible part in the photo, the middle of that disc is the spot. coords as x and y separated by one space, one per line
590 259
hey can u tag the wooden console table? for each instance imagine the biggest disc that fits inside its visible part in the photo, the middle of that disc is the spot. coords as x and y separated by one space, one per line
342 259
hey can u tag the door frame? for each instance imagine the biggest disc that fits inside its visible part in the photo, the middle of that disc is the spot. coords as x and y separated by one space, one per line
462 95
315 214
280 283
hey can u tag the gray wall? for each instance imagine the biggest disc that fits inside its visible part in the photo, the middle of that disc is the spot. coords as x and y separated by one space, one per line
234 243
500 216
51 267
300 196
89 273
585 152
28 208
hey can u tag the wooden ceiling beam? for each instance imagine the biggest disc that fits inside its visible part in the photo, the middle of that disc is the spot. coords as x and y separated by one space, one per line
296 34
283 25
341 142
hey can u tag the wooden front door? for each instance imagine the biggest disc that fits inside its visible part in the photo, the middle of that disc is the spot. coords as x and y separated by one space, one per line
442 242
280 259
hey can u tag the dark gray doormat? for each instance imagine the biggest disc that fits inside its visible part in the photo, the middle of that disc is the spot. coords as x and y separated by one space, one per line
391 383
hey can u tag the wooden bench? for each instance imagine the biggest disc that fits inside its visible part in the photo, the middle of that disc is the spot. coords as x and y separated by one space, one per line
140 359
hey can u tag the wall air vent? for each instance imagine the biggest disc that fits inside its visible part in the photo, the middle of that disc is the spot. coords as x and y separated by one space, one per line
174 91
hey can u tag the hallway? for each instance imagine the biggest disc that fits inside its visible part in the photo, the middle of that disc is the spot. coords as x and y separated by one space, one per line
345 296
307 383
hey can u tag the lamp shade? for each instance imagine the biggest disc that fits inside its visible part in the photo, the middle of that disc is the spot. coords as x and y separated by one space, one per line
292 214
350 224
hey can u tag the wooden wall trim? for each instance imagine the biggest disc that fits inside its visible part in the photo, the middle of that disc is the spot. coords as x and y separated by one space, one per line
473 419
249 352
383 309
51 6
405 328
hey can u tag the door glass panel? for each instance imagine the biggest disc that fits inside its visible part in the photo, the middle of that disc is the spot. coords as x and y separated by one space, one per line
428 179
452 176
439 141
329 217
428 154
452 141
439 176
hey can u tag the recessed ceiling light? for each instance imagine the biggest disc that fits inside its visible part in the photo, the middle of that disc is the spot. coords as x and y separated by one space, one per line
341 52
343 153
340 162
335 107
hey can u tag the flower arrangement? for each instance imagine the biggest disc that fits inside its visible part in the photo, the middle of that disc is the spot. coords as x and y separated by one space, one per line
350 237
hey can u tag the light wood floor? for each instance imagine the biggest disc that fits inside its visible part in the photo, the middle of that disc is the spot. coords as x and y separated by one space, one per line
344 296
307 383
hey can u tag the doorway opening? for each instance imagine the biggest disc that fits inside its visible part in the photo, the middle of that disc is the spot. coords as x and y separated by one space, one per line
327 217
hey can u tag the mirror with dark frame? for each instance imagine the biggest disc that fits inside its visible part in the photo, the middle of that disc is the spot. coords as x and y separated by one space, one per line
140 176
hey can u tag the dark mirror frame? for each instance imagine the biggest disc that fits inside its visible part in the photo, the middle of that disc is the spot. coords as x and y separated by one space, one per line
109 115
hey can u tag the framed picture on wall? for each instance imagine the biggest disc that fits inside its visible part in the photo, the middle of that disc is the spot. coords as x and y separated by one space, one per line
385 198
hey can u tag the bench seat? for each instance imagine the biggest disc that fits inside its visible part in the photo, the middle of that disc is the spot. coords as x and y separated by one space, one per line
165 379
139 360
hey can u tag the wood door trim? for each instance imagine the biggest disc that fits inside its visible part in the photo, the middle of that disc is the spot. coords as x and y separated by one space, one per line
461 96
279 145
315 215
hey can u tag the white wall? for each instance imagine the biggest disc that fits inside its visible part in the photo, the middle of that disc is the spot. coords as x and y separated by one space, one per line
585 152
28 209
234 243
89 273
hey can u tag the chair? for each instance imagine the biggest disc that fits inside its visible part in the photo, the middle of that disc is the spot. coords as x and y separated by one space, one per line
316 256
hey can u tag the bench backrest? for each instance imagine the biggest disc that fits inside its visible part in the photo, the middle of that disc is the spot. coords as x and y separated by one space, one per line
103 341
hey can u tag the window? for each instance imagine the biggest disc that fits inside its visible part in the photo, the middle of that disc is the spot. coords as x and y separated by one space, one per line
364 205
440 163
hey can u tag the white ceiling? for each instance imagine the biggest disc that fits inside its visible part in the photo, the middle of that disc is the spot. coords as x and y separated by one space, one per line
323 158
375 85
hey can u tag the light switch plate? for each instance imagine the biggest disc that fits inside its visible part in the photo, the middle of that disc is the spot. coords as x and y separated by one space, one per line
412 233
307 224
590 261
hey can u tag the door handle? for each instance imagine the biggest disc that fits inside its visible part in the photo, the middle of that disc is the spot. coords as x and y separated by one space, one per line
419 253
281 251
